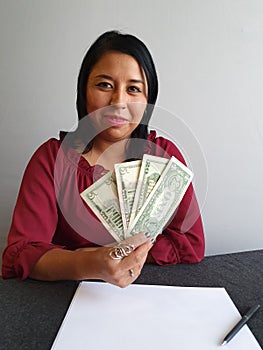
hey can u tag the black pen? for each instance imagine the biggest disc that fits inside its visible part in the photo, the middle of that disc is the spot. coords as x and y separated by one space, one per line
240 324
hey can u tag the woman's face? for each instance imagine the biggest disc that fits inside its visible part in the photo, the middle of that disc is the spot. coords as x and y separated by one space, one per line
116 95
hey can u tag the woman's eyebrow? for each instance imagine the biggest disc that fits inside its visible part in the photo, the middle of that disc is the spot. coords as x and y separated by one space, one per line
104 76
108 77
137 81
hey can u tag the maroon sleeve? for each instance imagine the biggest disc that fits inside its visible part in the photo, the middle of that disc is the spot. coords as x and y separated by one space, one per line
182 241
35 215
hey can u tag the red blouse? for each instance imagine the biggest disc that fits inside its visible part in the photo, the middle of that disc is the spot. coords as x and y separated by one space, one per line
50 213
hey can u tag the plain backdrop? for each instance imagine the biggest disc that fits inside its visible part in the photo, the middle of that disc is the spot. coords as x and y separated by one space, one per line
208 55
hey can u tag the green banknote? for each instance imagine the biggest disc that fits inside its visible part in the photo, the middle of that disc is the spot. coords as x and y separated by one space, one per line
163 200
102 198
150 171
127 177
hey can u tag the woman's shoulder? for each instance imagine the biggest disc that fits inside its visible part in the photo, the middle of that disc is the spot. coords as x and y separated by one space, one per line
45 155
59 152
48 148
159 139
164 146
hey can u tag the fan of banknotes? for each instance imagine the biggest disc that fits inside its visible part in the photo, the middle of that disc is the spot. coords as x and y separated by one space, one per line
138 196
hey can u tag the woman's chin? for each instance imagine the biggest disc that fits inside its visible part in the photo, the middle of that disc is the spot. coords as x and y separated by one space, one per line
116 133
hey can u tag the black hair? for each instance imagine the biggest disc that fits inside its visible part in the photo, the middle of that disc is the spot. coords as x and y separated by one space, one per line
124 43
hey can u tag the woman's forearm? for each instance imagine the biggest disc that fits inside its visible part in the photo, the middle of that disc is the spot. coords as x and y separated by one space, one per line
94 263
61 264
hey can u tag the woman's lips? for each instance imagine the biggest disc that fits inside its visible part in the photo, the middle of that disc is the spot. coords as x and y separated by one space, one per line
116 120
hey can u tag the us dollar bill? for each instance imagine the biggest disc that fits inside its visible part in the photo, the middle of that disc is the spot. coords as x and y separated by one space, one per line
150 172
127 177
163 200
103 200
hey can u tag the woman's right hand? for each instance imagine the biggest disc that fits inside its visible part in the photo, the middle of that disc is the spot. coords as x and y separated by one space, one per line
120 272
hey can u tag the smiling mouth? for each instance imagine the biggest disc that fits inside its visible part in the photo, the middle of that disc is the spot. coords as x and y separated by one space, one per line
116 120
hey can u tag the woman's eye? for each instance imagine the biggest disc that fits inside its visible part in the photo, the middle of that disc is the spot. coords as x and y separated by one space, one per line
134 89
104 85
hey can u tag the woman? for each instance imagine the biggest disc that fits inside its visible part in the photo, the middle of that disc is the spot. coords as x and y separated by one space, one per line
53 234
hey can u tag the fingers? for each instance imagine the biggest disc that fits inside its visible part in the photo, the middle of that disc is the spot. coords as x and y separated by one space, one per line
138 256
123 272
137 239
122 263
136 259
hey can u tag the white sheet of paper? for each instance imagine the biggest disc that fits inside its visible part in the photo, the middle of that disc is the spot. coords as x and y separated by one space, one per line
102 316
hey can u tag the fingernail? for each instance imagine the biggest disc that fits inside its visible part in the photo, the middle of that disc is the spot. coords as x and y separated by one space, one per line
147 234
152 240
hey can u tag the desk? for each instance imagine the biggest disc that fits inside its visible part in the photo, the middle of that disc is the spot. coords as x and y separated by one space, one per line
31 312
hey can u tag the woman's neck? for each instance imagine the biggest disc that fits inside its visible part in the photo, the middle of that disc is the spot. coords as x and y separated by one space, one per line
106 153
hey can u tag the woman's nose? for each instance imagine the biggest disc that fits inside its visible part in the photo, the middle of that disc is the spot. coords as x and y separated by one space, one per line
119 98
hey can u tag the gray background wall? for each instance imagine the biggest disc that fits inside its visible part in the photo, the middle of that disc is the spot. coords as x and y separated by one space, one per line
209 56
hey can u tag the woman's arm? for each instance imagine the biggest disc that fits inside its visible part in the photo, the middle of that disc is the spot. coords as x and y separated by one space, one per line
35 215
92 263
